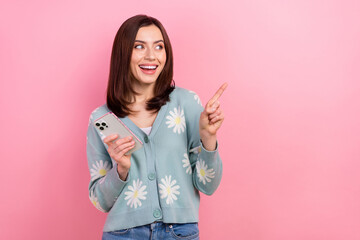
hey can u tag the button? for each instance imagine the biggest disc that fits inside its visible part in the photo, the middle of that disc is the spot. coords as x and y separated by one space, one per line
146 139
157 213
151 176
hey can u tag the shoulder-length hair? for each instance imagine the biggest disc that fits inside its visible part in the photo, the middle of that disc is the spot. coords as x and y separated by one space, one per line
120 92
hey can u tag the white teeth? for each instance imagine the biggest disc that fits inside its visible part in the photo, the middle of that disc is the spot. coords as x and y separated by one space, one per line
147 67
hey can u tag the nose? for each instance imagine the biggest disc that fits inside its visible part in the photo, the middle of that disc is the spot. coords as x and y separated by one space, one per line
149 55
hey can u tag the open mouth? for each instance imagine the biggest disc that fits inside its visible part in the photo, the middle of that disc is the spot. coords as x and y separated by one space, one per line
148 69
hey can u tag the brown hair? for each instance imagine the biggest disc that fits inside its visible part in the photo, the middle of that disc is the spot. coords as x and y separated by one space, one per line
119 90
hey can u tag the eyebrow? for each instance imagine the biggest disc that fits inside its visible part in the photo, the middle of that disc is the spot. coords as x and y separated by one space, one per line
145 42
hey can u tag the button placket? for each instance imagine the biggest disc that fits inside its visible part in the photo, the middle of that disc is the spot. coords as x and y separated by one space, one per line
151 176
157 213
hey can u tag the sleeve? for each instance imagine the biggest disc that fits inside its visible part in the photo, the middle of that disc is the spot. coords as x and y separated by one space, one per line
206 165
105 184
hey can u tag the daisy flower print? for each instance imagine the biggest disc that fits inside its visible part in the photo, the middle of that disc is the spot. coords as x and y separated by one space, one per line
135 194
94 112
196 150
186 164
95 201
203 172
99 169
196 97
169 190
176 120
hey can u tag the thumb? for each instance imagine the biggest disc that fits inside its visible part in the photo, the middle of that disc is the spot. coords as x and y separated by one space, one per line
204 119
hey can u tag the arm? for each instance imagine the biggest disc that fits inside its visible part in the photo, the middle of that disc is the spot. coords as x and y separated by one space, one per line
204 157
105 184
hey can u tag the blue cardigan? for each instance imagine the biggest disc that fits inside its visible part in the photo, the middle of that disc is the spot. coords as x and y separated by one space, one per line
165 176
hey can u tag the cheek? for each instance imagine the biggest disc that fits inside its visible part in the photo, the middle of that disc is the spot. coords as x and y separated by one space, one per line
133 68
163 61
135 58
164 58
161 56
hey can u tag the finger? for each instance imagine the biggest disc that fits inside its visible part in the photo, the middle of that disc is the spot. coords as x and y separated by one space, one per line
125 150
218 93
216 113
120 142
109 139
217 119
115 151
123 140
213 108
121 153
123 146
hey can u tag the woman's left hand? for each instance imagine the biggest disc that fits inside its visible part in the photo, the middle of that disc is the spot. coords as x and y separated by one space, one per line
211 119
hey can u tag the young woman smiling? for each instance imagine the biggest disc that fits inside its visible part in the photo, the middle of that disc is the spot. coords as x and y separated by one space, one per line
154 192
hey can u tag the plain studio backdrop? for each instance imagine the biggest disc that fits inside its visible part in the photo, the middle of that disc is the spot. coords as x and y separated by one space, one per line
289 142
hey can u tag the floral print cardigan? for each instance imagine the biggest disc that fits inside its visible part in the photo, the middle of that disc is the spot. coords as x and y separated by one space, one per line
166 174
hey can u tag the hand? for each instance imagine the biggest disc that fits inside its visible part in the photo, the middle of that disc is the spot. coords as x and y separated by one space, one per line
211 119
117 150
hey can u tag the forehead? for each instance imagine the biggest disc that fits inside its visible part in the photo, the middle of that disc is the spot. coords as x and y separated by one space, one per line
149 34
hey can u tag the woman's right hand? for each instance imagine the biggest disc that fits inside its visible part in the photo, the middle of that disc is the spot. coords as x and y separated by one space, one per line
117 152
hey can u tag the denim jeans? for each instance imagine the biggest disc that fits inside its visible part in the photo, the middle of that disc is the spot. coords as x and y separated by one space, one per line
156 231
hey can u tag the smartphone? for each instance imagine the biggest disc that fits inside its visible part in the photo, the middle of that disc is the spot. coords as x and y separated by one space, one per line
110 124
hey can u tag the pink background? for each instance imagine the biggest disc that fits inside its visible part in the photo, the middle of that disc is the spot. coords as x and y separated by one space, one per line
289 144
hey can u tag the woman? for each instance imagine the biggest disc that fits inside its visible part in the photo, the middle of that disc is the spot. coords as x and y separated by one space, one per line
154 192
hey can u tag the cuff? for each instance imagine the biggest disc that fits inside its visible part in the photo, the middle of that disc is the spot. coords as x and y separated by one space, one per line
208 156
116 182
204 149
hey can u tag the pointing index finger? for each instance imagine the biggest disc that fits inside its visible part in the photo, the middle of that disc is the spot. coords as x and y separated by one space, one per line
218 93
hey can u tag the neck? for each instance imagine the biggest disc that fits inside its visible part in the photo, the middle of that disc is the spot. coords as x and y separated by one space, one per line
145 92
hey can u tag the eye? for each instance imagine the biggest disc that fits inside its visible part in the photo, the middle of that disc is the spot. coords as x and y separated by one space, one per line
159 47
138 46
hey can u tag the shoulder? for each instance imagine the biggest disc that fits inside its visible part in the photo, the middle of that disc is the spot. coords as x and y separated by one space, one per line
98 112
185 96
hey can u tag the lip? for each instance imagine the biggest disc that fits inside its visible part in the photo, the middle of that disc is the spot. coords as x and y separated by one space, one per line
148 64
148 71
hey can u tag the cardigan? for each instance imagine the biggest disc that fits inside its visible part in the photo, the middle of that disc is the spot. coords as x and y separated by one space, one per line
166 174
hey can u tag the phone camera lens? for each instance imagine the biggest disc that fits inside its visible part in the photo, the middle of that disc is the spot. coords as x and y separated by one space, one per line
104 124
97 124
101 128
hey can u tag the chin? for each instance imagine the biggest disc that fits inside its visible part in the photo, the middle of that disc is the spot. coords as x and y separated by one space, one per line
147 81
